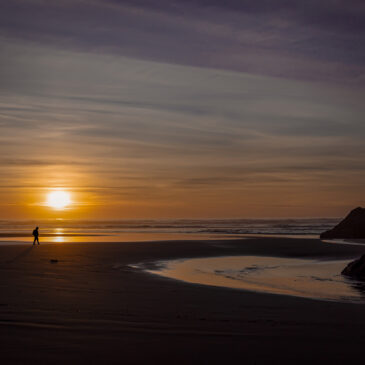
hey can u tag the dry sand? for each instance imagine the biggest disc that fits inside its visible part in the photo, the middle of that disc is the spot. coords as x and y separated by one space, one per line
90 307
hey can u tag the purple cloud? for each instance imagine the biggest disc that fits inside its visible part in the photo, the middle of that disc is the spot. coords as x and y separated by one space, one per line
295 39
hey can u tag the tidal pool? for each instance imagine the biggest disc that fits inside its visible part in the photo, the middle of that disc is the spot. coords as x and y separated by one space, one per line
316 279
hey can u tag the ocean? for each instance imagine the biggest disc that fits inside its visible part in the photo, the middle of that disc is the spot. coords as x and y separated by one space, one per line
162 229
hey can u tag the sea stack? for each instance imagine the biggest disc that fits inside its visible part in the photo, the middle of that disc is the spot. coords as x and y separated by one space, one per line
353 226
355 269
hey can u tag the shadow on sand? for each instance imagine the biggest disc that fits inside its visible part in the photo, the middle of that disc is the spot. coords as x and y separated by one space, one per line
21 255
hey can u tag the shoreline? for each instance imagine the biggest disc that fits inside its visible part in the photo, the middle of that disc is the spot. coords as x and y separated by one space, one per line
136 237
89 306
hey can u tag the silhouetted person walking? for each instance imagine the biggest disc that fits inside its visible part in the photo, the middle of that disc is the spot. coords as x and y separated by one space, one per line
36 234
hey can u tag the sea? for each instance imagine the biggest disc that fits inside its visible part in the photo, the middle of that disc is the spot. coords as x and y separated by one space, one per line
63 231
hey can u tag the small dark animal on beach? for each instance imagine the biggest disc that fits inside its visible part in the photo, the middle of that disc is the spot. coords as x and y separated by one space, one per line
35 234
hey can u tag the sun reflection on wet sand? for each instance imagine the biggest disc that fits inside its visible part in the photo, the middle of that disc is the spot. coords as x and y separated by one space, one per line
59 239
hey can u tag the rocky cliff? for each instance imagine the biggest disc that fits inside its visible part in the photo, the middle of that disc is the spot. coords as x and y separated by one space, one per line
353 226
355 269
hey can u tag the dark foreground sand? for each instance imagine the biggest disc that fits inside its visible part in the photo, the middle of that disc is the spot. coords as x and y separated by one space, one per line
90 307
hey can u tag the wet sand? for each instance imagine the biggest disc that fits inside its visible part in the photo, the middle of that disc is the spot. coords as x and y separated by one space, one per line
84 303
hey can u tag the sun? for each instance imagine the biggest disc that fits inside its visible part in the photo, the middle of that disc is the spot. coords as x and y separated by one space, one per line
58 199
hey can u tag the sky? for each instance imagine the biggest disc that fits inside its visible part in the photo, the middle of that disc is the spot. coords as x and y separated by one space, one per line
182 109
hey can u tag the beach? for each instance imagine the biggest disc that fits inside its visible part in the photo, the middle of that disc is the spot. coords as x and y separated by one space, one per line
90 303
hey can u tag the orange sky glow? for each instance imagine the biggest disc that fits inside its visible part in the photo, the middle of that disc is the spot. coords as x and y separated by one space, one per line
141 139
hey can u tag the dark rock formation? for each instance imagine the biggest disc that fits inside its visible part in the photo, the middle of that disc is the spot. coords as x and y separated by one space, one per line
353 226
355 269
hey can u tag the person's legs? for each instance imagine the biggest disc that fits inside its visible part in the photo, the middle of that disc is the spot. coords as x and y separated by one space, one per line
34 241
38 240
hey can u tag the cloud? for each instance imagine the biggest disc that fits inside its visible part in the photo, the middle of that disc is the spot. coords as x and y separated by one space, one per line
295 39
125 116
